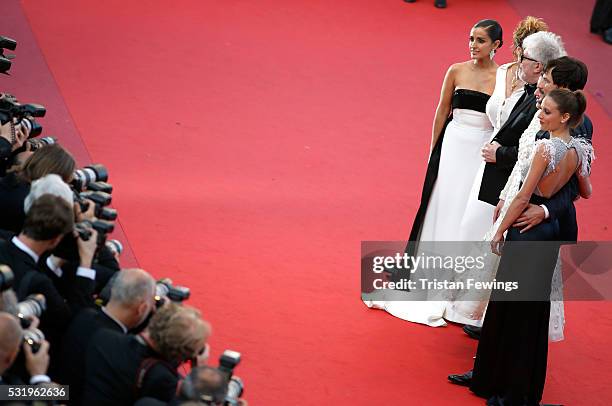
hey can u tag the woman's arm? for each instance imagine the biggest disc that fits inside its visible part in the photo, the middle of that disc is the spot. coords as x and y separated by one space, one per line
538 166
444 105
584 185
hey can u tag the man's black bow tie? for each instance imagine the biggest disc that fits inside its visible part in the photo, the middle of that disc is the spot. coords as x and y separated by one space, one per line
530 89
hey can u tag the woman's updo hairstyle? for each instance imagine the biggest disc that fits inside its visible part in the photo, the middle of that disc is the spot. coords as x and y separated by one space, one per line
527 26
573 103
493 29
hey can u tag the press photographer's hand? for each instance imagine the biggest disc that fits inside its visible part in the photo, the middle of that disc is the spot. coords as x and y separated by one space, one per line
87 249
88 214
37 363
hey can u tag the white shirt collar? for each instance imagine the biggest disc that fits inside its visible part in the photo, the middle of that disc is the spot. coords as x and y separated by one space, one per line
123 327
19 244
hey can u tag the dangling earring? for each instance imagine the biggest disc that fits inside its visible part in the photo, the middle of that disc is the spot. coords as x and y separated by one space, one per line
492 54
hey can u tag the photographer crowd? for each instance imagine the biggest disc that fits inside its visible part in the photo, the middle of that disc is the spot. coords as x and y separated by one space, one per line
69 315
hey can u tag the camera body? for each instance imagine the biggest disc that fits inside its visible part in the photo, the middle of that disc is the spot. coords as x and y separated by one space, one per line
235 387
5 60
10 109
231 391
165 288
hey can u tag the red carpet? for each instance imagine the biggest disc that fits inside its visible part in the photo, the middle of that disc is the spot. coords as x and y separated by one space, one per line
253 145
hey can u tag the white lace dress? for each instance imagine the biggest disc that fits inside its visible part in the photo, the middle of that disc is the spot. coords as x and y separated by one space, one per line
555 149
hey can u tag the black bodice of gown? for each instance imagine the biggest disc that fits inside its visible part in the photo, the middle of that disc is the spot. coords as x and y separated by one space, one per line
470 100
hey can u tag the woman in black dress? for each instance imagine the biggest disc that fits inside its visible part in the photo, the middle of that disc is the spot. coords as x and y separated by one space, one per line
510 366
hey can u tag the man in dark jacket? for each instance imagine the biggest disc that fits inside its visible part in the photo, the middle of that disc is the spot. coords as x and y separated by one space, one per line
120 368
46 222
132 300
565 73
501 154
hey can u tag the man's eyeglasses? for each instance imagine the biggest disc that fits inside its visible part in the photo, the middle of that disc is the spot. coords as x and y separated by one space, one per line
528 58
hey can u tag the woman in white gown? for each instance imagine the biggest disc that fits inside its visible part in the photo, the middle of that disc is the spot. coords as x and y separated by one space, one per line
454 159
441 221
477 219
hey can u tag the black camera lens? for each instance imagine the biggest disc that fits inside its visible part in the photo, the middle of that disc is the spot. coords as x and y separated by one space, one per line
5 64
8 43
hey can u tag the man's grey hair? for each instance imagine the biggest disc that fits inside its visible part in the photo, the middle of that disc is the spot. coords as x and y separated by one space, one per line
132 286
544 46
49 184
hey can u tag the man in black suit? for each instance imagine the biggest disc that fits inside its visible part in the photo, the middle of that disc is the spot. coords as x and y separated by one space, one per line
132 300
501 154
123 368
12 137
46 222
567 73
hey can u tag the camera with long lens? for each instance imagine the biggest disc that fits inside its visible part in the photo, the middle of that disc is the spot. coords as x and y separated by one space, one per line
100 200
68 248
100 186
164 288
33 306
231 391
235 387
34 338
7 278
5 60
10 109
38 143
31 127
89 174
101 226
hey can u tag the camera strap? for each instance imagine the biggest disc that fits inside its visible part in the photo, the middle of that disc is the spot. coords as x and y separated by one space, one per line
145 366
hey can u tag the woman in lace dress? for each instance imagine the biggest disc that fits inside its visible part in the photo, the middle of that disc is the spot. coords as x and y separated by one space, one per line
510 365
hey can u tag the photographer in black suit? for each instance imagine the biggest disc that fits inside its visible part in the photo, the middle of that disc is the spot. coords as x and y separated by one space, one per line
11 339
501 154
132 300
120 368
48 218
12 137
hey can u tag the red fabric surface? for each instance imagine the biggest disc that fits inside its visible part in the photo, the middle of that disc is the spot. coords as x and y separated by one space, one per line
253 145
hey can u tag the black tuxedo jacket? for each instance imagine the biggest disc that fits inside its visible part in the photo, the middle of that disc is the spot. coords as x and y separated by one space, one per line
13 191
82 329
113 361
496 174
30 279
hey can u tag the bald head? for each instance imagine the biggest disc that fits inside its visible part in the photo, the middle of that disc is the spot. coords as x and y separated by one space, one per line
132 286
10 339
